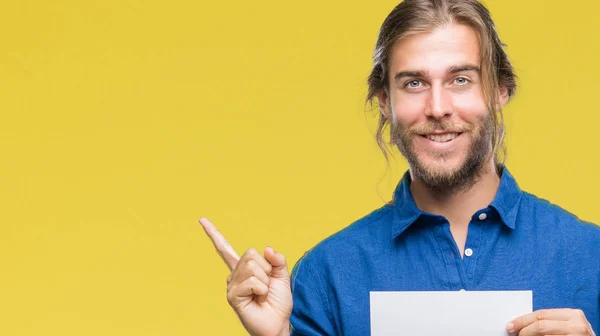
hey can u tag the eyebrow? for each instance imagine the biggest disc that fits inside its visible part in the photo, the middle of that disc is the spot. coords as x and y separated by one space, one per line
452 70
464 68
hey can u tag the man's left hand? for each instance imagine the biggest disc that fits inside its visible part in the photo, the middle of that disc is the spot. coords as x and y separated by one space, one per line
551 322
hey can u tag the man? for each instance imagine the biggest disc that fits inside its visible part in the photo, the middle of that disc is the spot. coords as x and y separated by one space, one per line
458 219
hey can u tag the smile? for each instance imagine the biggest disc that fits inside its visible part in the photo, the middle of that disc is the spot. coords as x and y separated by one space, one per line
441 137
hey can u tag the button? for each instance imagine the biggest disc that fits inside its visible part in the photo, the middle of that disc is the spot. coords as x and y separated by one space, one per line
468 252
482 216
462 290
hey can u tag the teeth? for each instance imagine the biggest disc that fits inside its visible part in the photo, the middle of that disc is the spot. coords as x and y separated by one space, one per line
441 137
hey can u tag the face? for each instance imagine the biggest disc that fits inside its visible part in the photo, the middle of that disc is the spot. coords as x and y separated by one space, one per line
440 120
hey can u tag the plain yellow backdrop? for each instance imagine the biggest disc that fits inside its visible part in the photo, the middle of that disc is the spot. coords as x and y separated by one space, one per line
123 122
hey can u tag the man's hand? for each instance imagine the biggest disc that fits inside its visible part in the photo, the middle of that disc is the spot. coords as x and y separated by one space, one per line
551 322
258 288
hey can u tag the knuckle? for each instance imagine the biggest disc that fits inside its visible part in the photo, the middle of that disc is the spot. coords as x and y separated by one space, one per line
257 285
252 265
542 314
251 283
539 326
251 252
256 269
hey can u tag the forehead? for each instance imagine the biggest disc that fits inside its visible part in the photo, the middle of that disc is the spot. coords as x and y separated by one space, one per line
436 51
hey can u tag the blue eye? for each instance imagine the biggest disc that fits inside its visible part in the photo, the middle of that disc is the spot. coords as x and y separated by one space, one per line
413 84
461 80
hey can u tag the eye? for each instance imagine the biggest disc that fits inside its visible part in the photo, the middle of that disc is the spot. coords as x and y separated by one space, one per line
413 84
461 80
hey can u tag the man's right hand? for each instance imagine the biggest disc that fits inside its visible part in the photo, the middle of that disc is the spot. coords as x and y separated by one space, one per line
258 288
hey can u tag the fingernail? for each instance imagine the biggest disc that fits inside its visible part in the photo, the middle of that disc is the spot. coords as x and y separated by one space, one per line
510 326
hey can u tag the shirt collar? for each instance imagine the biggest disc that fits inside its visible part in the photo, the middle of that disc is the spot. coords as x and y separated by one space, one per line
406 211
507 199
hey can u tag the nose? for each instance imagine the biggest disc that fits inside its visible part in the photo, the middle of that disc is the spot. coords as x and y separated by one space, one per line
440 102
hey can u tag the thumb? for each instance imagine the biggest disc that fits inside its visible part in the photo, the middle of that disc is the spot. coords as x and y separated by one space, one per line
277 261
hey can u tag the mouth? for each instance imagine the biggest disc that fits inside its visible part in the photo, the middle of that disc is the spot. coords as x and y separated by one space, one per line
445 137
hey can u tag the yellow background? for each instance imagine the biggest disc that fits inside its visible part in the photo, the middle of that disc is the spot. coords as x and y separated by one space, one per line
123 122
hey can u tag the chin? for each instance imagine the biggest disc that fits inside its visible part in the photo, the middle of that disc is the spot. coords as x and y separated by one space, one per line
437 172
441 173
448 174
442 165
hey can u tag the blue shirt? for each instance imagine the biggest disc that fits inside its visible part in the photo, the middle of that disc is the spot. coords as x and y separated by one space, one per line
518 242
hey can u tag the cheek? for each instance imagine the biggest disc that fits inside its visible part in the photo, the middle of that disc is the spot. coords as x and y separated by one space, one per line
409 109
470 107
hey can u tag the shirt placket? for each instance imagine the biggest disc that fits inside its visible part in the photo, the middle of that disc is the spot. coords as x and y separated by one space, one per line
460 270
473 249
450 256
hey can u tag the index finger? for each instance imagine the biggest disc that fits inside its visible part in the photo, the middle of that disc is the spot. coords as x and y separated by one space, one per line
225 250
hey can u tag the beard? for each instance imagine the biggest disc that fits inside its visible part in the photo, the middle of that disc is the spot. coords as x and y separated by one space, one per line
447 179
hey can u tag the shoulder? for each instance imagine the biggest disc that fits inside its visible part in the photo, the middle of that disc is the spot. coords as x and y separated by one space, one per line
345 243
553 219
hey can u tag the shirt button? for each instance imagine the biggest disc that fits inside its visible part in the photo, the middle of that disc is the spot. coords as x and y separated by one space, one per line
468 252
482 216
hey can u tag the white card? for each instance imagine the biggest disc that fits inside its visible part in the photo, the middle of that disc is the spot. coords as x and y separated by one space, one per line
449 313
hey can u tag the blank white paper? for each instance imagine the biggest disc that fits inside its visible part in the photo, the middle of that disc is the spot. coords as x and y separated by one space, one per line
449 313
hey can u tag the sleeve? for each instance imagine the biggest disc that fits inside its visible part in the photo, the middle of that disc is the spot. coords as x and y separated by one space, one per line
311 313
596 325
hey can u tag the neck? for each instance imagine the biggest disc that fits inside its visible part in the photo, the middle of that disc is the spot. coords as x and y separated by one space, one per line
458 205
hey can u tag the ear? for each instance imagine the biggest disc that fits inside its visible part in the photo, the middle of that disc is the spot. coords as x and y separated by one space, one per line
503 96
383 99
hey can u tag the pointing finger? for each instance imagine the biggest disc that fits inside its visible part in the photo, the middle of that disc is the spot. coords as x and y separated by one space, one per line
225 250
